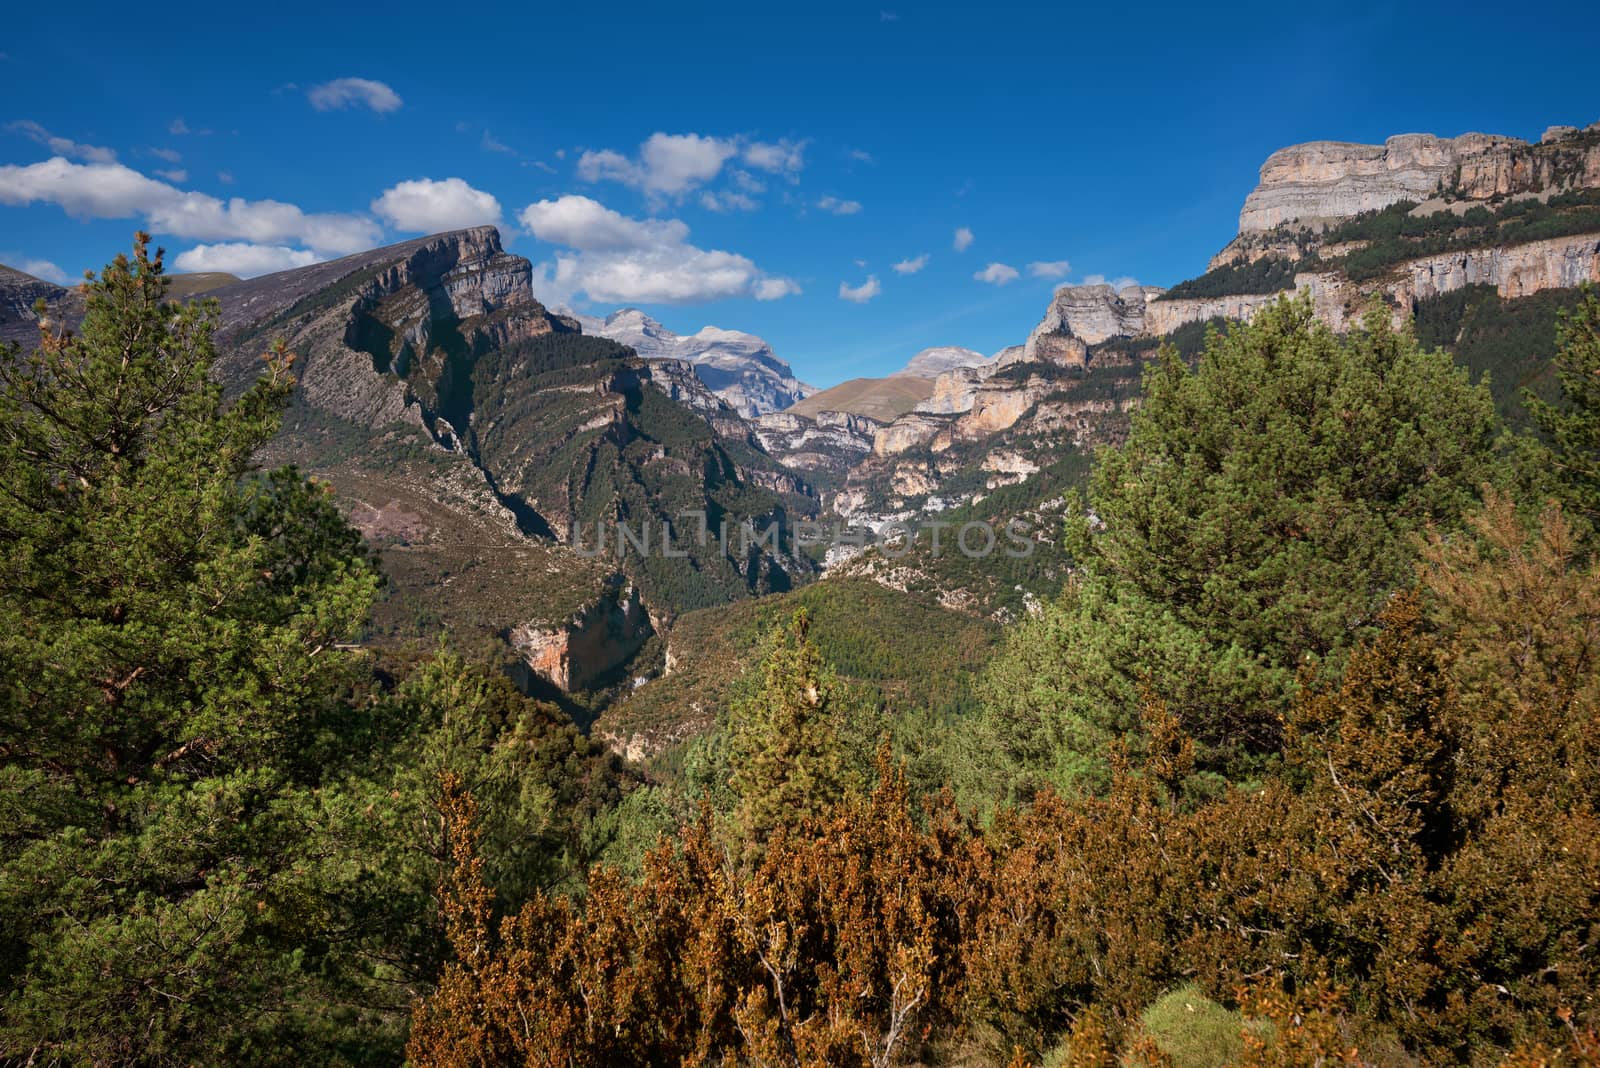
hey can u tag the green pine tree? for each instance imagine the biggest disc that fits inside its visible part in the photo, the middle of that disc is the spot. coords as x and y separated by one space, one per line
173 700
1252 527
1574 428
784 746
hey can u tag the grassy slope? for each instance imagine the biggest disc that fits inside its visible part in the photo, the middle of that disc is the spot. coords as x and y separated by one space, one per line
913 653
883 399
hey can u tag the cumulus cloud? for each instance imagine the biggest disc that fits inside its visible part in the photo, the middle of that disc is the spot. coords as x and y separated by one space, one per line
748 182
589 226
344 93
913 265
726 201
1049 268
167 154
430 206
244 259
860 155
176 174
963 239
783 156
667 164
61 146
672 165
616 258
839 207
862 293
114 191
997 274
774 288
178 128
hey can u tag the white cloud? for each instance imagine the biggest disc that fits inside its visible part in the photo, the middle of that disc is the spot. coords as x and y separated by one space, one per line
963 240
775 288
244 259
167 154
61 146
342 93
748 182
781 157
430 206
225 177
176 174
621 259
589 226
1049 268
667 165
839 207
113 191
38 268
862 293
997 274
912 266
727 201
178 128
860 155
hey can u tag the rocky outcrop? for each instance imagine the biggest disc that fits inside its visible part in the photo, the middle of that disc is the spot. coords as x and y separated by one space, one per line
904 433
1514 271
583 649
19 293
1080 316
826 442
740 368
954 389
1319 181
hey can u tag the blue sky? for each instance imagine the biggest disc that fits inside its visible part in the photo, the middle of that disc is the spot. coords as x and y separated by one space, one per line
758 167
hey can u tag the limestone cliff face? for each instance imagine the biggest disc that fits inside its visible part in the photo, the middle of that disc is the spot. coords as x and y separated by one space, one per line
1514 270
1079 316
826 442
19 293
584 648
904 433
954 389
1325 180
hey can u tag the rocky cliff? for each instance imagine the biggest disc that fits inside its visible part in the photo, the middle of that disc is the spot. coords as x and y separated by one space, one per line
740 368
824 446
580 651
19 293
1313 183
1079 316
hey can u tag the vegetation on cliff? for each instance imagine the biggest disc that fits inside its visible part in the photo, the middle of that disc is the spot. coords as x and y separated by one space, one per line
1303 766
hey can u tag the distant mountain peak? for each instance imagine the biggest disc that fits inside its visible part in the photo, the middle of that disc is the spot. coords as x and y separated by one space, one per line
932 362
739 367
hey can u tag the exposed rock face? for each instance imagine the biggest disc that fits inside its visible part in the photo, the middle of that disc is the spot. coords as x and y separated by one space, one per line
1515 271
740 368
904 433
930 363
584 648
829 441
18 294
1080 316
954 389
1325 180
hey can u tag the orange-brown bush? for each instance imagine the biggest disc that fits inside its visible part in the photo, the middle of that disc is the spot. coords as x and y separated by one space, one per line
1430 849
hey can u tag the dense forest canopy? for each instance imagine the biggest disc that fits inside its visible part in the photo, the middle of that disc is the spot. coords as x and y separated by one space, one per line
1301 767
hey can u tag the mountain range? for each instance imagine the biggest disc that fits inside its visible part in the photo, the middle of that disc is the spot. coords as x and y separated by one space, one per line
475 436
740 368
